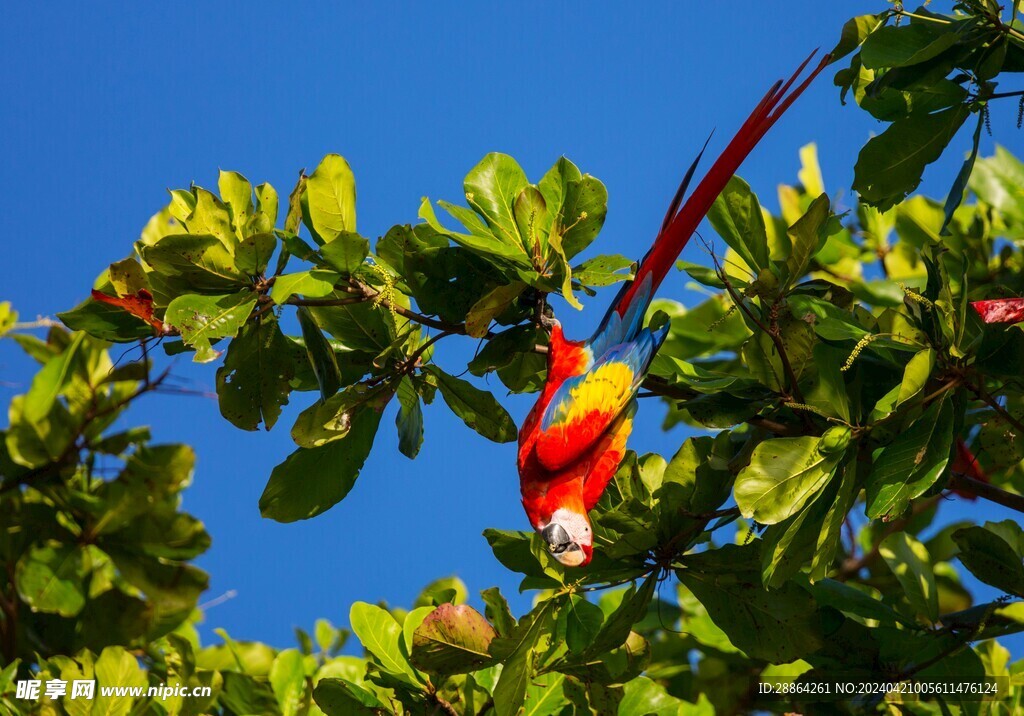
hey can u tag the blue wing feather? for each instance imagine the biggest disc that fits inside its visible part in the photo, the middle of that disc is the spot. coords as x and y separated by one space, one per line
637 354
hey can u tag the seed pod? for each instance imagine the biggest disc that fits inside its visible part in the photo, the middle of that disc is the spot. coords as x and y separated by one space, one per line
835 440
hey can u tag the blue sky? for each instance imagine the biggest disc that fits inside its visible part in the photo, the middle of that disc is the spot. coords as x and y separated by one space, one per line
107 106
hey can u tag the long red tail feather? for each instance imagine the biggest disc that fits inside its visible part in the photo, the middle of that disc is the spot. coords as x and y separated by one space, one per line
680 225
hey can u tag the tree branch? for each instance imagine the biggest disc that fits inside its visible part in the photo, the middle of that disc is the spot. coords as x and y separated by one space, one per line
661 387
772 332
73 445
966 483
986 397
9 624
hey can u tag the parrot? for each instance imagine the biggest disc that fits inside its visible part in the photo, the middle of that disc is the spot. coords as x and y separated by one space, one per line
574 437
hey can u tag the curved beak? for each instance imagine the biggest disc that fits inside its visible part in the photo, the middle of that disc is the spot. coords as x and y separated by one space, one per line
562 547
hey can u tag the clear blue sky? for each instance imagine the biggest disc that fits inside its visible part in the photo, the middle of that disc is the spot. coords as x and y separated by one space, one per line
107 105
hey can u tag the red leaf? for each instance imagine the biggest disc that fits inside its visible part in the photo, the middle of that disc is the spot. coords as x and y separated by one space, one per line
138 304
1001 310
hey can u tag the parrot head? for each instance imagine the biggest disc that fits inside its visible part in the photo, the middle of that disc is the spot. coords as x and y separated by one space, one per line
569 537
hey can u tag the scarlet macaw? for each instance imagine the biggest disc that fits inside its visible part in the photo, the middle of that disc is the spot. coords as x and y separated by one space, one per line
574 438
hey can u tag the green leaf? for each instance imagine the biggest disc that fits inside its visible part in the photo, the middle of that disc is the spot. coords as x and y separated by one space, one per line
911 44
997 181
243 694
409 420
211 216
345 252
890 165
828 393
583 622
915 376
497 611
118 443
491 305
202 319
582 214
778 625
912 462
532 220
321 355
993 554
787 546
236 191
831 528
332 419
339 697
198 263
49 382
492 187
50 578
486 245
807 236
852 600
855 31
106 322
331 197
294 216
613 667
516 652
253 254
326 634
477 408
515 551
442 590
116 667
736 216
360 326
909 561
545 696
315 283
253 383
643 696
502 349
127 277
264 219
172 588
288 680
956 192
697 478
783 474
604 270
381 635
312 480
561 261
452 640
617 626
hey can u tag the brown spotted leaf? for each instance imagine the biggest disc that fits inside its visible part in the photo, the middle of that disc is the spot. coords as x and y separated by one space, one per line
452 640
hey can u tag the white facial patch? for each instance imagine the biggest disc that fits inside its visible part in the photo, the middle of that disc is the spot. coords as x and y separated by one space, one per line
575 524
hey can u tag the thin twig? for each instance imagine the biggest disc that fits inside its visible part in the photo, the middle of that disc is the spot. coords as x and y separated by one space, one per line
986 397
